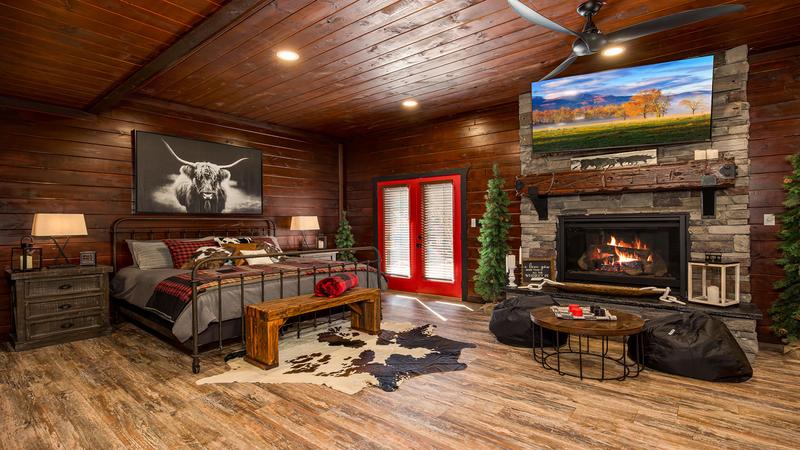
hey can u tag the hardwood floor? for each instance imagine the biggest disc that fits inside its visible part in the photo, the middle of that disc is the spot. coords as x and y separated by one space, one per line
132 390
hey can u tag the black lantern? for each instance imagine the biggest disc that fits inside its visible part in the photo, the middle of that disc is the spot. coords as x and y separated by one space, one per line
26 257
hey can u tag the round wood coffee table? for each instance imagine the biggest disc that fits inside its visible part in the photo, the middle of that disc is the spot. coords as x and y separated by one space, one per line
626 326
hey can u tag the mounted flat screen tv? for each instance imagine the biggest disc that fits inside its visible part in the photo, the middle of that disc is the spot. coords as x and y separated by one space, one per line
656 104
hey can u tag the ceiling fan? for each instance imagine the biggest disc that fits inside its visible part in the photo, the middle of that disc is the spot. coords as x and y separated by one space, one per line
590 40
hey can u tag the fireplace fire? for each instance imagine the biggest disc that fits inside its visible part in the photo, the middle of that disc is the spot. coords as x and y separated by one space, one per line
631 249
631 258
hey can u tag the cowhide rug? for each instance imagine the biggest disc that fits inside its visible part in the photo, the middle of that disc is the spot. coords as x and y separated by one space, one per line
348 360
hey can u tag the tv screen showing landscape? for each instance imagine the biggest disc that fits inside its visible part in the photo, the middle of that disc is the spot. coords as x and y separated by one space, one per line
657 104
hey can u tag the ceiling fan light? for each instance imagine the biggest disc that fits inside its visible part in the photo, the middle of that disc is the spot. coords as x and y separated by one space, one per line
614 50
288 55
410 103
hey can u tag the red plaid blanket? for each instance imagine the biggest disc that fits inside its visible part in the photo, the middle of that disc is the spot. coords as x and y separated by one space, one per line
336 285
172 295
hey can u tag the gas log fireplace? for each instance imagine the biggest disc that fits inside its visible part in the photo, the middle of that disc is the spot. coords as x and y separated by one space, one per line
629 249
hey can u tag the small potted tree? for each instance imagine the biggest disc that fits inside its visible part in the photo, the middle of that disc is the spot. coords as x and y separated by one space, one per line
785 312
491 277
345 239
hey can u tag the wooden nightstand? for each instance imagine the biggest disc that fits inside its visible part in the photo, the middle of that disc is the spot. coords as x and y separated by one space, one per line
322 254
52 306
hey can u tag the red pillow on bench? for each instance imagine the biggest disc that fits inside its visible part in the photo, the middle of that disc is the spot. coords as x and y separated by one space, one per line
335 285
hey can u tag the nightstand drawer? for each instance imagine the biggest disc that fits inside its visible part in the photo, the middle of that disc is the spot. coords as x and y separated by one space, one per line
323 255
51 287
65 305
47 328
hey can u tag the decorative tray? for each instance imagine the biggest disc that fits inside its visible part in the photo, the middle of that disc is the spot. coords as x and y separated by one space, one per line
586 313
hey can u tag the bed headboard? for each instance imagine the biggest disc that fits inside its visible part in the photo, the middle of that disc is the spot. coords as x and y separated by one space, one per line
180 227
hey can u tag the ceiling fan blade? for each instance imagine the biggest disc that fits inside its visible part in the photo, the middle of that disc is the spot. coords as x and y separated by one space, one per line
567 62
671 21
538 19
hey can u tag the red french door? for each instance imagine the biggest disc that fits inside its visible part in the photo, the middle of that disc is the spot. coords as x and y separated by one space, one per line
419 234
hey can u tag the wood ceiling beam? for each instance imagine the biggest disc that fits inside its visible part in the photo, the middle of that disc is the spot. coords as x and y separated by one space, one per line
227 16
191 112
20 104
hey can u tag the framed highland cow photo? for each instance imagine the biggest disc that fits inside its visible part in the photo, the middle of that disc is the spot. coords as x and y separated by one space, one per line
175 175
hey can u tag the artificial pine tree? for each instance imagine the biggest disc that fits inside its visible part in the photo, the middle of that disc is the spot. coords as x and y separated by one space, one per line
345 239
491 276
785 312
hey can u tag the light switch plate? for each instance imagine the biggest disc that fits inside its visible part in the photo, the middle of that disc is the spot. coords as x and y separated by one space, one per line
769 219
699 155
712 154
473 222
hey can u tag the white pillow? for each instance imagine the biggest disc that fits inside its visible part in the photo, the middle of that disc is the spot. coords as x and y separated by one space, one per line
150 254
263 260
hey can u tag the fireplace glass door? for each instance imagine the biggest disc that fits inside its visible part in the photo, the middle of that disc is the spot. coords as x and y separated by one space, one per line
645 250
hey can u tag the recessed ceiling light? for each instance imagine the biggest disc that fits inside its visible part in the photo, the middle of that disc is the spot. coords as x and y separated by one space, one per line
288 55
613 50
410 103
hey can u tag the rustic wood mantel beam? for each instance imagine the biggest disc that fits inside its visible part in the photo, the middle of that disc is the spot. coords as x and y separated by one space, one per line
692 175
228 15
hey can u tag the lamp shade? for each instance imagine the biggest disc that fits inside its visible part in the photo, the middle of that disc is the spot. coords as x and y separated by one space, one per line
304 223
47 225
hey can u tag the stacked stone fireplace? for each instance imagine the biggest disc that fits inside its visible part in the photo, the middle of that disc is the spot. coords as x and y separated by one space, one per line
726 232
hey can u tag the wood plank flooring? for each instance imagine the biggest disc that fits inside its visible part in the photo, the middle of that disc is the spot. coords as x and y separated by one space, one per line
131 390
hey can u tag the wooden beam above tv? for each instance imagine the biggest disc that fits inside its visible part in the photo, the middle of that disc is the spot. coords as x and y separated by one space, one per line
664 177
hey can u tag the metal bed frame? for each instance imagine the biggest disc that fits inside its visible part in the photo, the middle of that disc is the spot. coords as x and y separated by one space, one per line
234 226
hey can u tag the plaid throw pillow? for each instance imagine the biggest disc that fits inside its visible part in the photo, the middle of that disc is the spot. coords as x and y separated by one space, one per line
182 251
335 285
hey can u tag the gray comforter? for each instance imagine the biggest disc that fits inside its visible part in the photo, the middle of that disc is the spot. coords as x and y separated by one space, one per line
136 286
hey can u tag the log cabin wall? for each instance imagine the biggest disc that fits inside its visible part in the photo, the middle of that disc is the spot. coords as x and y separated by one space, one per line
56 164
473 141
773 91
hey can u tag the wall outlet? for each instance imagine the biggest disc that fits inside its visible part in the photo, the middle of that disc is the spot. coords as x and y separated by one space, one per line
473 222
769 219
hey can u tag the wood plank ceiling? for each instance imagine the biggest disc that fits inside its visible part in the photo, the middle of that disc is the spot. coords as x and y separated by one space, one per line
358 58
69 52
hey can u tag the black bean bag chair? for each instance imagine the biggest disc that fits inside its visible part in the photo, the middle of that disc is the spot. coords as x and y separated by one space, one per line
511 322
693 345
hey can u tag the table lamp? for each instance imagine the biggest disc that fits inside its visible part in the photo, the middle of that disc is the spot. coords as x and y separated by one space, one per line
59 225
304 223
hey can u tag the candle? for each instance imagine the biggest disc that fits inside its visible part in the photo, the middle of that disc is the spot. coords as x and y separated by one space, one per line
25 262
511 262
713 294
520 256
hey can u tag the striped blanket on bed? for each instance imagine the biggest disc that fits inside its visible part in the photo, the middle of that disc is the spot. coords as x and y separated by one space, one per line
172 295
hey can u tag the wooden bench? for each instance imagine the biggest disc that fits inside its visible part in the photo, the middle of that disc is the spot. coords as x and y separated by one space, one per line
264 320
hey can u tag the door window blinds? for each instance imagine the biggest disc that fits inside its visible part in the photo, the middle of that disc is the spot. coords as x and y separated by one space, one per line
437 225
396 231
